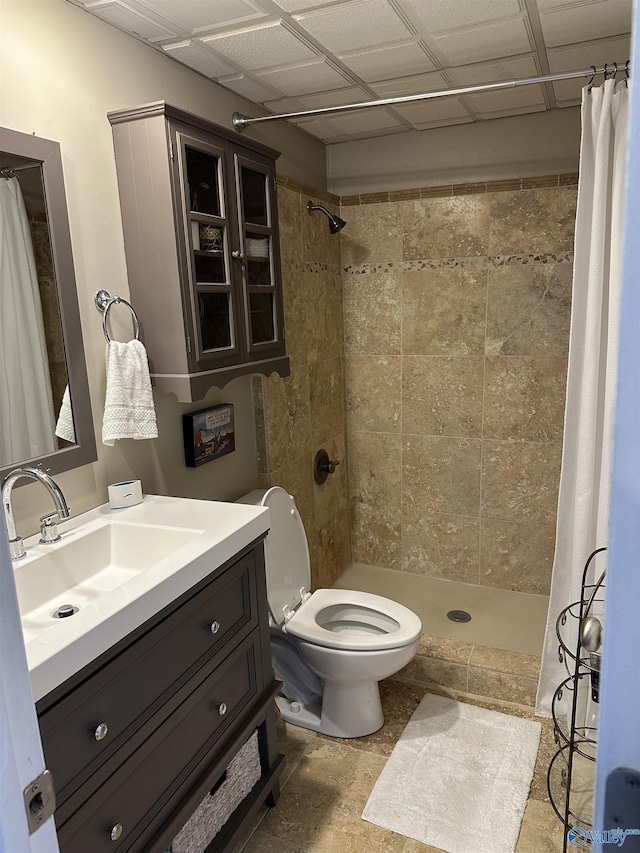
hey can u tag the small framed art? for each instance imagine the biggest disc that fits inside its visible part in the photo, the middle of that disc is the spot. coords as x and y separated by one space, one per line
208 434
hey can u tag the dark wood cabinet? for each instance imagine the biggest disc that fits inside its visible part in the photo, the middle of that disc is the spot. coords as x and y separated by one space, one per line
137 739
200 222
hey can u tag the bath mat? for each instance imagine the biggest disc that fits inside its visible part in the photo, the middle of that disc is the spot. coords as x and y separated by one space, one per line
458 778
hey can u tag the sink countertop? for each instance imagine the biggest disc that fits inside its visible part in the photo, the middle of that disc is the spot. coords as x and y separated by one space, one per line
216 531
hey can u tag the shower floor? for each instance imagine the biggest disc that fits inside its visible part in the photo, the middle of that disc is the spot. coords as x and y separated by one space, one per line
499 617
496 654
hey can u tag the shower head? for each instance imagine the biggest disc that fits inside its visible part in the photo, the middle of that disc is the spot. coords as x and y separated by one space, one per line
335 223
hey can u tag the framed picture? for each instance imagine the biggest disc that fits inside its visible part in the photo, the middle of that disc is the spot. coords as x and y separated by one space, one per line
208 434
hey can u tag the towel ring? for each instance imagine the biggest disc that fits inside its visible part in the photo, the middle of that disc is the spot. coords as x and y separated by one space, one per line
104 301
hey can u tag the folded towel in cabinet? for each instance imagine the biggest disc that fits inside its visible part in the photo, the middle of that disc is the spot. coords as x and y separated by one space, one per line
128 408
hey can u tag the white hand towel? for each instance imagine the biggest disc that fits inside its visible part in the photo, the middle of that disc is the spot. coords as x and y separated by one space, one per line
128 408
65 428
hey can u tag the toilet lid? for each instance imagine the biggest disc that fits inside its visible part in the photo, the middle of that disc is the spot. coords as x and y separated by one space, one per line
286 553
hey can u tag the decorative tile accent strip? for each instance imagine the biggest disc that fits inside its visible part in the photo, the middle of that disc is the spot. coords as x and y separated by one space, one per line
314 267
510 184
307 189
486 262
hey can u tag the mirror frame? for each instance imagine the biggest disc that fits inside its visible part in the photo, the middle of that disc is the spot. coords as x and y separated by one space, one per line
48 153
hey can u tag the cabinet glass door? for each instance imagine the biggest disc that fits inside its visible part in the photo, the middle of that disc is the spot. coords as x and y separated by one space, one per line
208 244
256 216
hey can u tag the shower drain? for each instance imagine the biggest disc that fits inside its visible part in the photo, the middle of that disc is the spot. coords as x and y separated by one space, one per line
459 616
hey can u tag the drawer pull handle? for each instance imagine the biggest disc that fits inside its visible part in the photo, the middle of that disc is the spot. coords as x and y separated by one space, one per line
222 709
101 731
214 627
116 832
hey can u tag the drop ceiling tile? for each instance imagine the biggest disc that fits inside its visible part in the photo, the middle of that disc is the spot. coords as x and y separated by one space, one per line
437 110
303 79
411 85
431 125
300 5
507 99
586 21
442 16
195 56
249 88
575 57
516 111
350 95
142 24
261 46
395 60
203 14
363 121
554 4
478 44
355 25
493 72
283 105
321 128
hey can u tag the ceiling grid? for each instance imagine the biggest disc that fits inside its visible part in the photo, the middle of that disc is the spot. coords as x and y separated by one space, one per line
291 55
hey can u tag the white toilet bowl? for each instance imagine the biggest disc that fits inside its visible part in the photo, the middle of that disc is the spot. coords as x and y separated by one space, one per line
350 639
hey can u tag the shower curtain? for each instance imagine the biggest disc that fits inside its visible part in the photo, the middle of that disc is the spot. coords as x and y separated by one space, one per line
583 506
26 404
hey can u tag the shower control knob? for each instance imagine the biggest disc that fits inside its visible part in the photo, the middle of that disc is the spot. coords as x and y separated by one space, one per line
101 731
323 466
214 627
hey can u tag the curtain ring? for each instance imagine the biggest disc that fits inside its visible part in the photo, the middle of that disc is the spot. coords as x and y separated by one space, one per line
615 70
593 77
626 71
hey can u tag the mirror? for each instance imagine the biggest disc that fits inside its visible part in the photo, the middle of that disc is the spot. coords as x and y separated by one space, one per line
45 410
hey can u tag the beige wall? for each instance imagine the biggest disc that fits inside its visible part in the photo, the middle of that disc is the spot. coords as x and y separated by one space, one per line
62 71
514 147
305 412
457 314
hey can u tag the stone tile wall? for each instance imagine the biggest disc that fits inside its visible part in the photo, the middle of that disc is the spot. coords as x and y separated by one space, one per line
456 313
304 412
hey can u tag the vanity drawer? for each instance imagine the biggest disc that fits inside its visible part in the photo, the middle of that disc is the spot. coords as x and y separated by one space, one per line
166 760
85 728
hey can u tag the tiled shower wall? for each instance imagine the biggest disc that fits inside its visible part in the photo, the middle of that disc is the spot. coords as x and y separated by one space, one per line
456 312
298 415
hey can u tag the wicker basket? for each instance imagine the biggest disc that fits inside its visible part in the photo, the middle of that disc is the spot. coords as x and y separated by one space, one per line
215 810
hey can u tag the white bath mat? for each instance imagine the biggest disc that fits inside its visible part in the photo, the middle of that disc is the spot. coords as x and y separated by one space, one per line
458 778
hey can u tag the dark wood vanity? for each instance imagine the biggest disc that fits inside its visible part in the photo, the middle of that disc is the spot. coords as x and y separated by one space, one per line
137 739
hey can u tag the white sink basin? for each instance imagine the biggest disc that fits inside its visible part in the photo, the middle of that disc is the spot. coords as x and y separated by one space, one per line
90 564
119 568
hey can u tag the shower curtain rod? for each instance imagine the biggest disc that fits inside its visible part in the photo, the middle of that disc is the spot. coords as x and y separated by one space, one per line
19 168
240 121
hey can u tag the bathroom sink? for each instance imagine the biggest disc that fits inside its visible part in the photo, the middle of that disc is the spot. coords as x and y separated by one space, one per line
116 570
84 567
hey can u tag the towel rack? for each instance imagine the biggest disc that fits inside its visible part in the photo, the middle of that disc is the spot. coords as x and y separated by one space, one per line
104 301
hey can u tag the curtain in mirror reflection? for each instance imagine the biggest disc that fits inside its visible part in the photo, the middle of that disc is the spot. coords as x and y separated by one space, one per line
27 415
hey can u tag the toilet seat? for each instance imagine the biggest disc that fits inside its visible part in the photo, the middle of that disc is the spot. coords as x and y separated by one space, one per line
355 621
332 618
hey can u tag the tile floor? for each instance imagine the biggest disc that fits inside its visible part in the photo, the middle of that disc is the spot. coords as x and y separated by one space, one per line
327 782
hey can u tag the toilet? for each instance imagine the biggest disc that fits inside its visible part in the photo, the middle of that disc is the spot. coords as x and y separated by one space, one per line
330 648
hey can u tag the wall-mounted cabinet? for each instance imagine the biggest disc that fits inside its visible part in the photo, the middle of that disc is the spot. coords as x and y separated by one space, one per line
200 224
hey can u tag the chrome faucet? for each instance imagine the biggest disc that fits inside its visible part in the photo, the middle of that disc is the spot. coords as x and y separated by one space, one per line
48 526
